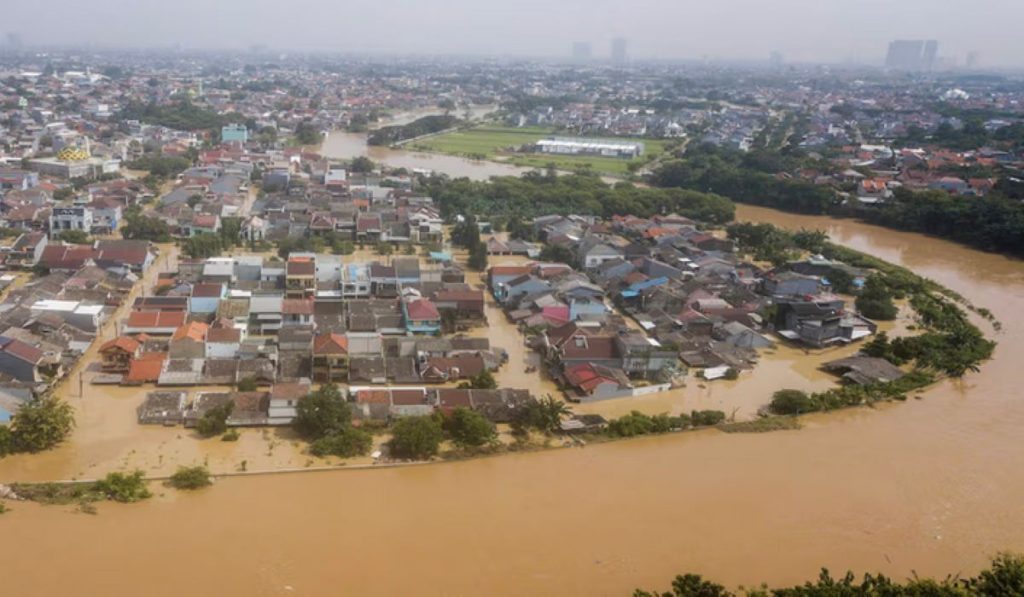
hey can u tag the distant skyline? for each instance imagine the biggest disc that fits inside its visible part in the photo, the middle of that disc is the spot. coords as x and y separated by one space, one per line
827 31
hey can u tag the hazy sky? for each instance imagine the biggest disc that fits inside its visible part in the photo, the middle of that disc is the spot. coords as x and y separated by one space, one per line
803 30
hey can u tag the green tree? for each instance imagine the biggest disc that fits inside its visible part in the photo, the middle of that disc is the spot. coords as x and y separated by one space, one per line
483 381
307 134
139 227
230 231
792 402
203 245
322 413
875 300
345 443
544 415
478 257
63 193
469 429
41 424
215 421
248 384
416 438
558 254
190 477
361 164
384 249
6 441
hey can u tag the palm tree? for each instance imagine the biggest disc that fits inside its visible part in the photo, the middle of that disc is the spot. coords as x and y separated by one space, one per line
551 412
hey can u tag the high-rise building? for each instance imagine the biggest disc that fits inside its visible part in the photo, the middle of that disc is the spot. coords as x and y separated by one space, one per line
581 51
13 42
619 51
912 54
972 60
775 59
931 52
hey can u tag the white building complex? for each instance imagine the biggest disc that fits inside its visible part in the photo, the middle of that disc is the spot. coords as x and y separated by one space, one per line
600 147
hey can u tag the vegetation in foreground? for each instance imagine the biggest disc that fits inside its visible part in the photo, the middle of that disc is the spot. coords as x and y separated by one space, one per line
190 478
115 487
1003 578
38 425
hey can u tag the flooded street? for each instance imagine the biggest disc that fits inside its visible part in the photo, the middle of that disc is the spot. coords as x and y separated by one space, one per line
931 485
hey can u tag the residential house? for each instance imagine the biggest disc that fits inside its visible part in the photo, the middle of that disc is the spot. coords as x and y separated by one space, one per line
421 316
284 401
300 277
206 297
154 323
189 341
330 358
118 354
25 362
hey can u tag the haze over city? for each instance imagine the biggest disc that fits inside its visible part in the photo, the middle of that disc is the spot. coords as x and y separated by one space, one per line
824 31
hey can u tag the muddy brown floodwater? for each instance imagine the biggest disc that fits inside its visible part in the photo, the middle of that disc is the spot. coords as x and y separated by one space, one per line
932 485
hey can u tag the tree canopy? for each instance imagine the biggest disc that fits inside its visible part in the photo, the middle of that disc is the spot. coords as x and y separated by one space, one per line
416 438
322 413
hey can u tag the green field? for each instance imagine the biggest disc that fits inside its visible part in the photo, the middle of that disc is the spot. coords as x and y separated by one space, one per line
490 142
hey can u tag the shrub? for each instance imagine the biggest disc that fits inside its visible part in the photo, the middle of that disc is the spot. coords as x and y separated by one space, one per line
877 309
190 477
124 487
704 418
637 423
231 435
792 402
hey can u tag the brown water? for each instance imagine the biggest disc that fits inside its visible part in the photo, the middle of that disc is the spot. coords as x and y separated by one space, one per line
932 485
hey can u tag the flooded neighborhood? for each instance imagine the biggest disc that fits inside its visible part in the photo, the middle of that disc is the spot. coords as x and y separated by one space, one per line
285 324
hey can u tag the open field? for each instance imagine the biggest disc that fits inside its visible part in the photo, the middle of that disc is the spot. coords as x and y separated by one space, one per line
497 143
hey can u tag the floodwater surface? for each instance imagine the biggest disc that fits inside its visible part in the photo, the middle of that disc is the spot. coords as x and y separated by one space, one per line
933 485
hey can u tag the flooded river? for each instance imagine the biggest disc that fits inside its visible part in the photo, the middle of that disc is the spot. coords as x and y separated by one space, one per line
932 485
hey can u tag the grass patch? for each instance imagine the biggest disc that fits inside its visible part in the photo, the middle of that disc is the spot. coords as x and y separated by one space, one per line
762 425
489 142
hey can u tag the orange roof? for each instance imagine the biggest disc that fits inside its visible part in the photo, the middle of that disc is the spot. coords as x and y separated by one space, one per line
330 344
156 319
146 368
124 343
510 270
194 330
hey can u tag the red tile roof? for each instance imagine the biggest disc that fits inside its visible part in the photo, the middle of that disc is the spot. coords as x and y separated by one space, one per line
156 319
328 344
146 368
297 306
21 350
422 310
194 331
125 343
